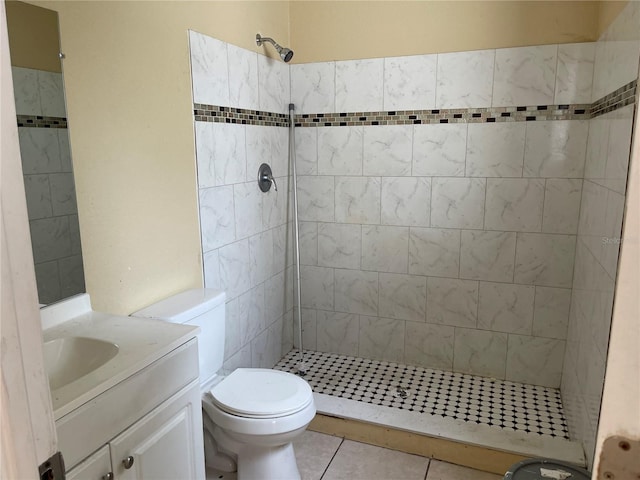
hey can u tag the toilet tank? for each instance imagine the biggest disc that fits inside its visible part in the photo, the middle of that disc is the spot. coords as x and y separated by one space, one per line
203 307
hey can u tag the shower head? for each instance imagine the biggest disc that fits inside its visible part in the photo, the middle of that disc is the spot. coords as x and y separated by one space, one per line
286 54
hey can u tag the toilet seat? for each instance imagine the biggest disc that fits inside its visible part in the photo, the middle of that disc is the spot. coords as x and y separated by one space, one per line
261 393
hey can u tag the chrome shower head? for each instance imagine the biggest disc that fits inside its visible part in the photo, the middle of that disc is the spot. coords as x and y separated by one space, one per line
286 54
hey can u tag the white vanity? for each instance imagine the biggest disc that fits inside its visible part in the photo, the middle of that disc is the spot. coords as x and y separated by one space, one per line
125 392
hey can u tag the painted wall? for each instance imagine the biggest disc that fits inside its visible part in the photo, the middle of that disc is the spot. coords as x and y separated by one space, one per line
599 231
33 36
322 31
128 87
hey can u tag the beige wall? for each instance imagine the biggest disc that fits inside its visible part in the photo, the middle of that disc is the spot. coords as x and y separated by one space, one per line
33 36
607 13
331 30
131 128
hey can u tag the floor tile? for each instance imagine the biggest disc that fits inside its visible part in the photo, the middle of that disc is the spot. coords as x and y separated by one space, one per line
359 461
314 452
480 400
447 471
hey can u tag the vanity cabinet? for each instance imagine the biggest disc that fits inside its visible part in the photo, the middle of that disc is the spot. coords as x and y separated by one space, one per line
122 436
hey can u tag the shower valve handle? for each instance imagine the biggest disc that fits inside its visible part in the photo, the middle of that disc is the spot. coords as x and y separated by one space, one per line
265 178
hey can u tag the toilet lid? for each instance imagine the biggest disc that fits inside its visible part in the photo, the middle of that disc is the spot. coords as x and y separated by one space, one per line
257 392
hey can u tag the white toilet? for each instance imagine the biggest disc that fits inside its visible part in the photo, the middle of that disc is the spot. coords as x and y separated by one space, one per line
250 416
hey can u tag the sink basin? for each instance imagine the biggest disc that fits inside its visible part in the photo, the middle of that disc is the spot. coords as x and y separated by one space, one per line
70 358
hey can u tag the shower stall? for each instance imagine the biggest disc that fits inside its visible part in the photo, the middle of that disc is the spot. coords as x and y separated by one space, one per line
458 239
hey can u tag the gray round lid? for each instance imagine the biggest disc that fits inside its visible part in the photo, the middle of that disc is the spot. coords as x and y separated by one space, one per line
544 469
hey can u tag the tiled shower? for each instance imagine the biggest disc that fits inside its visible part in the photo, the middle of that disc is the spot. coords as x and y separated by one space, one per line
459 212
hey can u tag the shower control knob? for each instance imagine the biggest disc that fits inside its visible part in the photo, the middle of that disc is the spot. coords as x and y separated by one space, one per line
108 476
128 462
265 178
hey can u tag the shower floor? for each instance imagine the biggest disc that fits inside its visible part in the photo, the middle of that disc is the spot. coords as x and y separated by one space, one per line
509 406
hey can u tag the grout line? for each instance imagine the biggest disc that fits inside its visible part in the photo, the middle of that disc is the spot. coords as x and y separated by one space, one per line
332 457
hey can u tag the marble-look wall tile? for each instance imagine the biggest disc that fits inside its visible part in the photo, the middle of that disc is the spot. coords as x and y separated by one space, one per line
480 352
514 204
25 91
506 307
387 150
340 150
385 249
74 233
313 87
51 94
211 267
266 348
339 245
458 202
452 302
454 90
209 70
247 200
359 85
38 195
63 194
231 328
308 237
279 152
551 312
229 153
610 245
434 252
274 204
338 332
575 73
356 291
48 282
235 268
556 149
259 149
316 287
495 150
261 257
410 82
282 248
71 276
275 297
205 154
309 328
50 238
306 151
545 260
243 78
40 150
240 359
357 199
381 338
217 220
597 146
405 201
487 255
620 134
525 76
316 199
428 345
561 205
402 297
274 85
439 150
535 360
66 165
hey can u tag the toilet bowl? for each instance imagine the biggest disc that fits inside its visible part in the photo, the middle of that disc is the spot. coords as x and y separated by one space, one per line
251 416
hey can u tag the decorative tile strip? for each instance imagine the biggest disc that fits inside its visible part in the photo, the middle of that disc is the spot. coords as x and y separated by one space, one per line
582 111
38 121
213 113
619 98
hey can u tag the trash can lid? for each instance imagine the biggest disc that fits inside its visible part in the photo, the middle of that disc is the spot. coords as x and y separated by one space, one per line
544 469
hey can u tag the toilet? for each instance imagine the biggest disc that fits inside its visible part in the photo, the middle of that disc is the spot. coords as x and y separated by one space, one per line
251 416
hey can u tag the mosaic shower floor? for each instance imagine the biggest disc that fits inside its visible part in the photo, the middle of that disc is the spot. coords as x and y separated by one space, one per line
507 405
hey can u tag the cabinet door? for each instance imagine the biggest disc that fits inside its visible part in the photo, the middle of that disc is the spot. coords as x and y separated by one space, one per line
160 446
95 467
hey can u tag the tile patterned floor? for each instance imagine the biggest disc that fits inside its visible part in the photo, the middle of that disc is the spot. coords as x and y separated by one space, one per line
498 403
325 457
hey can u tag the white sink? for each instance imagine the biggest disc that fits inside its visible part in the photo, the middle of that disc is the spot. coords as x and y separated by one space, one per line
70 358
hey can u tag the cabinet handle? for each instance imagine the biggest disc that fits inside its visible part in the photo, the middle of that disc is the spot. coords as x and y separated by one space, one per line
128 462
108 476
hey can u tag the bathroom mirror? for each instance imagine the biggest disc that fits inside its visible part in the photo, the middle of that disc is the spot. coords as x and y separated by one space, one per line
34 43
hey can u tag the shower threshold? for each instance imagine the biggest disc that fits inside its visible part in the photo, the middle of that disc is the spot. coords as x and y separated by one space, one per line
519 419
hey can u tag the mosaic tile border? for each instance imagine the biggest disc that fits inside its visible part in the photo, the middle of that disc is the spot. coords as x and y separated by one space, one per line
470 398
621 97
38 121
213 113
